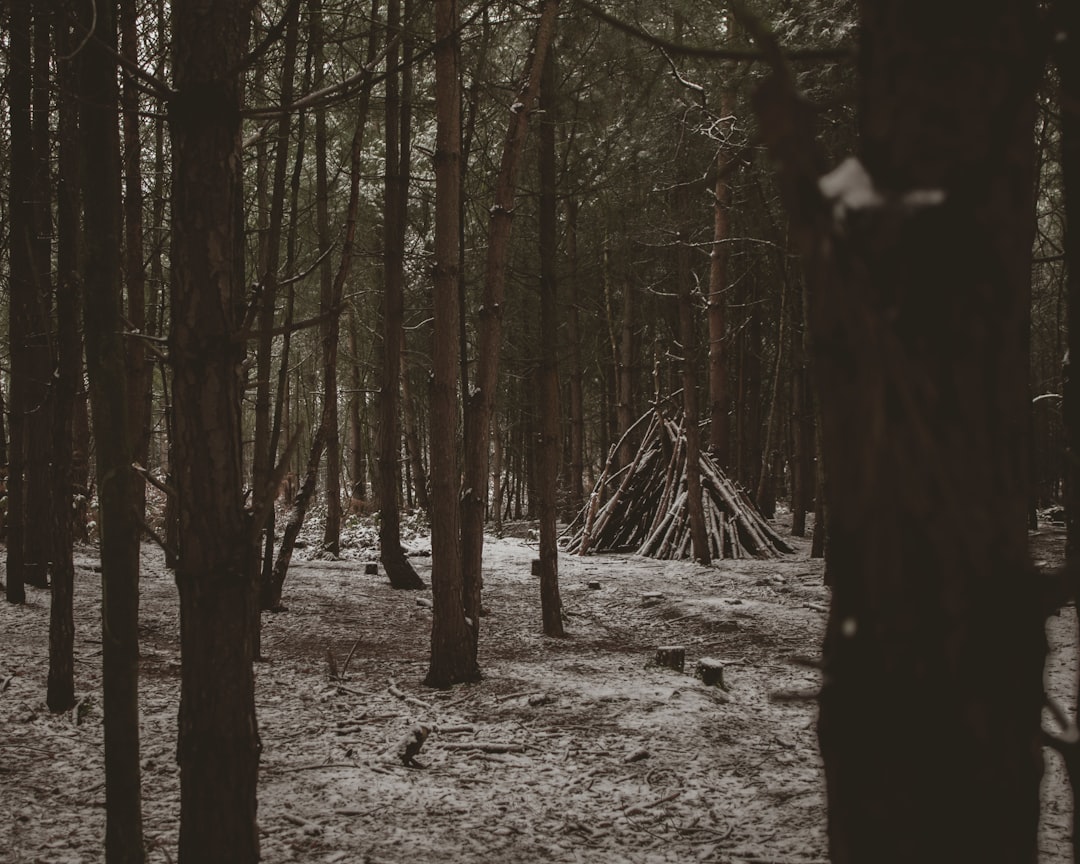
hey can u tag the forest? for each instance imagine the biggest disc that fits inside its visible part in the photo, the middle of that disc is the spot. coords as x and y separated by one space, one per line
484 430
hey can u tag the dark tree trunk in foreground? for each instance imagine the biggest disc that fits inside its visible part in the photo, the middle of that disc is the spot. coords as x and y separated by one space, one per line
398 569
218 748
919 258
452 657
61 685
1069 68
106 359
548 373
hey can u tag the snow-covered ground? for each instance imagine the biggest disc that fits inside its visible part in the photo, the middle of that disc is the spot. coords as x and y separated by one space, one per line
568 750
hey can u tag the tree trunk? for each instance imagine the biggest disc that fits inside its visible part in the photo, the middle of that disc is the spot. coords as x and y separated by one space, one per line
357 462
920 260
453 659
106 364
481 402
61 683
398 569
766 486
548 389
1069 100
577 370
218 747
719 434
330 327
37 541
412 436
138 372
21 285
263 458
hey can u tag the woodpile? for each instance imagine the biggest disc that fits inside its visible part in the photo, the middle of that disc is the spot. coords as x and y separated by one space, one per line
642 506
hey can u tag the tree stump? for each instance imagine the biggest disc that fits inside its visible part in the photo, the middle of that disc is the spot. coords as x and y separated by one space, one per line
594 586
711 672
536 567
651 598
671 657
371 569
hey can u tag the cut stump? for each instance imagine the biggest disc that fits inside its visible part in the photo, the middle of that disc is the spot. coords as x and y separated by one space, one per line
711 672
671 657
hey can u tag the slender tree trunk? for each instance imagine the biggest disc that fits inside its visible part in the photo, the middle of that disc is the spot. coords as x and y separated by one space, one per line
412 435
921 261
357 463
481 402
21 290
719 434
688 337
577 369
61 683
330 326
397 566
138 372
37 540
106 364
453 659
263 458
548 373
624 379
218 747
766 486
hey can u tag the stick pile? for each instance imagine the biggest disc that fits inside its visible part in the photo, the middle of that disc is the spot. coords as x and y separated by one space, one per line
642 506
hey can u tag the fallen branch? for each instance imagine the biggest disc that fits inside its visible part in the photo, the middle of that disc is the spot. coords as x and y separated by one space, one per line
484 746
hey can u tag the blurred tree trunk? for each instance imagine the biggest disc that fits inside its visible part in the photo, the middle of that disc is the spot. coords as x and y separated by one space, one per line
453 659
218 747
547 391
919 256
106 358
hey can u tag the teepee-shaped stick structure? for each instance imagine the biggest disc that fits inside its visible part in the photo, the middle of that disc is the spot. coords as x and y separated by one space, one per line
642 506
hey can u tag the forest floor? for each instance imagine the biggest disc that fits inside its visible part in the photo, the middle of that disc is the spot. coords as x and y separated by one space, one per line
578 749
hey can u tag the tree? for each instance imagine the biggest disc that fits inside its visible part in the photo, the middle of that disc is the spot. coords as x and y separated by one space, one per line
918 254
218 747
481 401
548 373
60 694
453 659
106 359
397 566
21 281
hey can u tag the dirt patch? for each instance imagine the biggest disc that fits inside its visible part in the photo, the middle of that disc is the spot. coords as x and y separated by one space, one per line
568 750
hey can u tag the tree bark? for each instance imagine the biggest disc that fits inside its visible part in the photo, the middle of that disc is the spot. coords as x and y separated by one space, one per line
577 370
138 372
40 345
453 659
330 328
481 401
218 747
21 285
60 694
719 433
548 373
919 256
106 365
